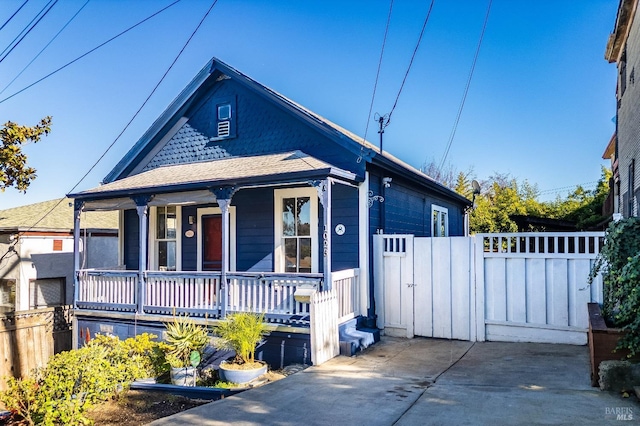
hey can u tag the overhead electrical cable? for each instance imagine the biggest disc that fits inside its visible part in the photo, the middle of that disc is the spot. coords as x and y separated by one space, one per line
39 18
375 85
45 47
413 56
466 89
134 115
89 52
14 14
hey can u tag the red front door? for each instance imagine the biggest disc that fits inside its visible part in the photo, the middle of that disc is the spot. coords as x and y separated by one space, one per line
212 243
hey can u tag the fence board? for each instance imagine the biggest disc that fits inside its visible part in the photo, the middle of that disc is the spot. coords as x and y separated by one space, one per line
325 342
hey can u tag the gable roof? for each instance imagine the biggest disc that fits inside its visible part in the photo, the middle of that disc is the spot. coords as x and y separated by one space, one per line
53 215
260 169
207 77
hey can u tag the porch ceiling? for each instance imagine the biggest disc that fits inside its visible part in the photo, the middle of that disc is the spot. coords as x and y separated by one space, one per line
288 167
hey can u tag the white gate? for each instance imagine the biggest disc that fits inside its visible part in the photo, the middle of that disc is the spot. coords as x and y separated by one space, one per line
504 287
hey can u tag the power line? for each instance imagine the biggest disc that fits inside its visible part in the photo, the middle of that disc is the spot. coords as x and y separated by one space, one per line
87 53
564 188
466 89
375 85
14 14
39 17
406 74
134 115
45 47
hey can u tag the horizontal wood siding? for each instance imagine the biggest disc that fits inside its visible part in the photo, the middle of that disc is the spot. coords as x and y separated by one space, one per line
405 211
254 229
261 127
189 245
131 237
344 211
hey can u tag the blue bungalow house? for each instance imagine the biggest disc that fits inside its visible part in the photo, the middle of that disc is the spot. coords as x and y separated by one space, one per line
237 198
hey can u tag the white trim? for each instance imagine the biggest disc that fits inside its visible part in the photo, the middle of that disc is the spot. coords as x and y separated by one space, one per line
363 243
152 249
279 195
232 237
121 261
440 210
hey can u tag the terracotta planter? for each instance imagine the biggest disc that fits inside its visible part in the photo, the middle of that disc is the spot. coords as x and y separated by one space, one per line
602 341
240 376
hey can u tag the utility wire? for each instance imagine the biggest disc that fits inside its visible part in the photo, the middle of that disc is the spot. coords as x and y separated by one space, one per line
44 48
564 188
14 14
413 56
375 85
134 115
30 27
87 53
466 89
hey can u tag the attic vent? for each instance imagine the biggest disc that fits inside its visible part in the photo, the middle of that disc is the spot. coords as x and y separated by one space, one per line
224 128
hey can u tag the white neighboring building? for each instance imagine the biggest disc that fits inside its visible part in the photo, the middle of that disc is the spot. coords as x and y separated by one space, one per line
36 252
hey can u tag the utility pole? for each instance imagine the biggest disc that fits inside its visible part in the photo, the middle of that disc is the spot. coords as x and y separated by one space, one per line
383 122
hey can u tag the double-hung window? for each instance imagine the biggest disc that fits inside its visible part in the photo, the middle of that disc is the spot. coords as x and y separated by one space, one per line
166 233
439 221
296 230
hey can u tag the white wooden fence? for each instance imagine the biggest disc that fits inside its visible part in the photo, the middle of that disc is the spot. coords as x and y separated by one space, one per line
505 287
325 342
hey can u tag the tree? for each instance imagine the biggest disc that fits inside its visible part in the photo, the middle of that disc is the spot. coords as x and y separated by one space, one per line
14 171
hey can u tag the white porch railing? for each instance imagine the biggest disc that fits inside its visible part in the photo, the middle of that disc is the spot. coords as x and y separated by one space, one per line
347 286
196 293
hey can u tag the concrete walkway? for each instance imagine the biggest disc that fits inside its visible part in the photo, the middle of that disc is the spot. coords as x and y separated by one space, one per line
429 382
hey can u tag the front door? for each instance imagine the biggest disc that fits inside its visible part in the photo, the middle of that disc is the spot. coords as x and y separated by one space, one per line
212 242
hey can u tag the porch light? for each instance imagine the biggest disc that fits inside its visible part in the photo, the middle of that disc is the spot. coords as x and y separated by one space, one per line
303 293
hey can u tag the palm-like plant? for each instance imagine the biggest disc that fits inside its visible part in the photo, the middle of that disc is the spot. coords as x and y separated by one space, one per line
241 332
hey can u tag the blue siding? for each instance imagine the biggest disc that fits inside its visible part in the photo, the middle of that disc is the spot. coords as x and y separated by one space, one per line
131 237
261 128
189 245
344 253
254 229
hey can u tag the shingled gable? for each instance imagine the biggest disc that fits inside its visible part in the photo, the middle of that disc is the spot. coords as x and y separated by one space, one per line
171 122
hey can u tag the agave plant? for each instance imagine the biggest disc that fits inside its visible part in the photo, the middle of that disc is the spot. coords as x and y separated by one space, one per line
186 340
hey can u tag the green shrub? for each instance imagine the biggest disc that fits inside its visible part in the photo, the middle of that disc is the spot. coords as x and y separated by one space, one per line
185 342
73 381
619 262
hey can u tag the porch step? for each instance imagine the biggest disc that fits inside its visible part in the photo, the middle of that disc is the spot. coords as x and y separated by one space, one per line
354 337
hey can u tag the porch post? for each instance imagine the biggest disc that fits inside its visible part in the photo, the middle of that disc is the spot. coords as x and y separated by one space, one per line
324 193
143 219
223 197
77 210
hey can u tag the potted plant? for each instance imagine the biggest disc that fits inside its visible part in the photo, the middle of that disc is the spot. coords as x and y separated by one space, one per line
614 328
241 332
185 341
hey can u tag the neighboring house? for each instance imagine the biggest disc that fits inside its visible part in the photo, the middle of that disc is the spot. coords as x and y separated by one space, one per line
611 206
623 48
237 198
36 252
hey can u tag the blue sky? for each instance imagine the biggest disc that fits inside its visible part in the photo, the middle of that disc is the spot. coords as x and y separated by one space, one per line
540 104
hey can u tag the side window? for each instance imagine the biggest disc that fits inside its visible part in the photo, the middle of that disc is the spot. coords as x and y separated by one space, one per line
46 292
439 221
7 296
296 230
224 118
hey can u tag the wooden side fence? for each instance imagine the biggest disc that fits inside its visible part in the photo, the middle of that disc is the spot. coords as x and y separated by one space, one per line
29 338
325 342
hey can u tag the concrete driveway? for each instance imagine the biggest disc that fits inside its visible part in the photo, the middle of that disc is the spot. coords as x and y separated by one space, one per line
429 382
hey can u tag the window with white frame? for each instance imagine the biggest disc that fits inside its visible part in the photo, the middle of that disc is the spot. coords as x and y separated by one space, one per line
296 230
439 221
46 292
7 295
165 238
